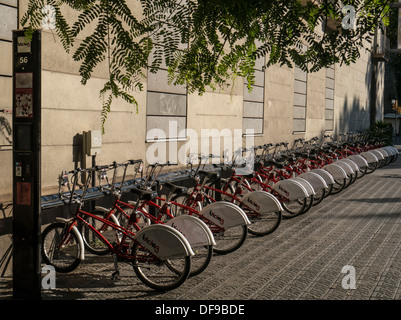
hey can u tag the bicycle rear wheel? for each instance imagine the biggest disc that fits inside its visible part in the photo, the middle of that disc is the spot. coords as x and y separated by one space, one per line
199 262
201 259
60 249
230 239
293 208
227 240
339 185
361 172
319 196
328 190
262 223
203 254
349 180
158 274
371 167
309 203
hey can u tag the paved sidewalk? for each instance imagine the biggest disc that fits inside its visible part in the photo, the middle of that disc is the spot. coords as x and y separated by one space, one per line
302 260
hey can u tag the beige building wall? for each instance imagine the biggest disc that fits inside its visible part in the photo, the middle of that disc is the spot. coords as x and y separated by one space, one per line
69 109
352 95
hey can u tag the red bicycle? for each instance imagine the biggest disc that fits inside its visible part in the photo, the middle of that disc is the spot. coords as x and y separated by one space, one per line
275 178
147 212
262 208
159 254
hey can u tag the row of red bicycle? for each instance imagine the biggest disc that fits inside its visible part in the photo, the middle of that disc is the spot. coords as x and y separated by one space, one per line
171 235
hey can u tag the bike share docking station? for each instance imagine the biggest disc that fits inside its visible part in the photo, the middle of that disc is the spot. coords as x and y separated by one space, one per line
26 165
28 204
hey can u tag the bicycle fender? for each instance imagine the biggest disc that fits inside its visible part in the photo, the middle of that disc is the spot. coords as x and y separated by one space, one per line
317 182
225 214
391 149
336 171
384 152
261 201
351 163
378 154
78 234
346 167
81 242
290 189
327 177
359 160
306 184
114 219
369 156
164 241
194 230
240 211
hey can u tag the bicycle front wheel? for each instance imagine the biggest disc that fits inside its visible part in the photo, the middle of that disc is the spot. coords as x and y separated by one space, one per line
158 274
61 248
199 262
91 241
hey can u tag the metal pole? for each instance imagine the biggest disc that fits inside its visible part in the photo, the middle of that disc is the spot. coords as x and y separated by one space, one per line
26 165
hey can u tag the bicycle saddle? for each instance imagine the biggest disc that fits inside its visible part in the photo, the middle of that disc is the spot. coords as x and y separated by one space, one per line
289 157
302 154
144 194
277 164
175 189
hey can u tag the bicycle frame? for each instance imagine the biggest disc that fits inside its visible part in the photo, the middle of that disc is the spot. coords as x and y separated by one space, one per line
121 243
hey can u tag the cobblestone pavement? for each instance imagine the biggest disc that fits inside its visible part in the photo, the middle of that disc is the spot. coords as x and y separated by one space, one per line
302 260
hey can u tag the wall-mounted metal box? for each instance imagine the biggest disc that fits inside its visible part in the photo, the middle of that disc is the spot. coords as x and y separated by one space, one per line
92 142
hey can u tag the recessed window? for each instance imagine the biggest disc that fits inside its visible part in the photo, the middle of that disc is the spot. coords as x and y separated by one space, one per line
329 102
300 99
253 111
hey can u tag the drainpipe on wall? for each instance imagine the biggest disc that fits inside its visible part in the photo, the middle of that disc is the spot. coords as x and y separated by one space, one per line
373 92
380 53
